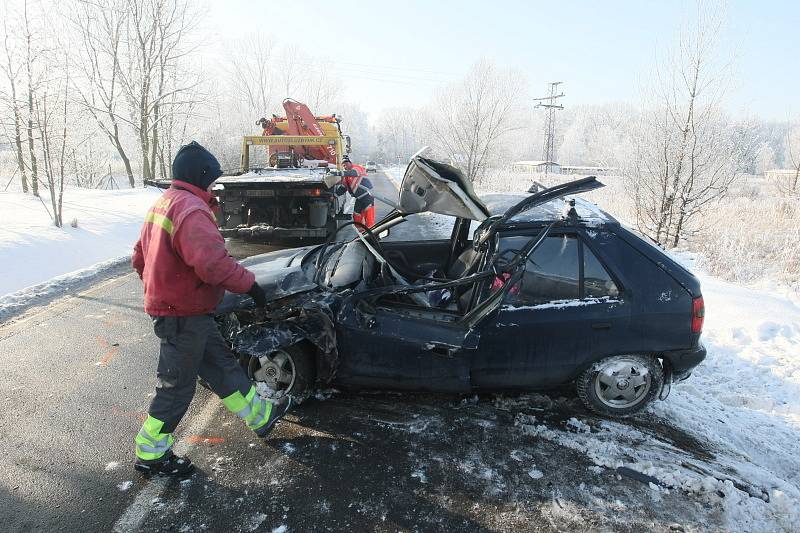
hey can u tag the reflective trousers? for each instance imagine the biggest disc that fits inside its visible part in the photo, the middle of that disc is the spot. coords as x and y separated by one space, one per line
192 346
364 214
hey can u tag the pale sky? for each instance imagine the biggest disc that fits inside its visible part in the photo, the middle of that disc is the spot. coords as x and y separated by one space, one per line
398 53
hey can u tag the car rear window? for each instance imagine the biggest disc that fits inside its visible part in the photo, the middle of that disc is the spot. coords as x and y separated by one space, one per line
552 271
597 282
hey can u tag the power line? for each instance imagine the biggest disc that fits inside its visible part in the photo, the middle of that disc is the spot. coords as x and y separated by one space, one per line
375 72
550 107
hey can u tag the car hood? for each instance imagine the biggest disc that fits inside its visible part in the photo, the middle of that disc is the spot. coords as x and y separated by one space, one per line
437 187
279 273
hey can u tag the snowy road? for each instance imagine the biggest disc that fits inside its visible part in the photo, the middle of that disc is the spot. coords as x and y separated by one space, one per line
77 379
78 375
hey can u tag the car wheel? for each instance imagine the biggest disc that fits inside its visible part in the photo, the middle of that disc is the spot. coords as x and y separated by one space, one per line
290 370
620 385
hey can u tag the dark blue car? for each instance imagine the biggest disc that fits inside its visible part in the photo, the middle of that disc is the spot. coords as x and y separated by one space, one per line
528 292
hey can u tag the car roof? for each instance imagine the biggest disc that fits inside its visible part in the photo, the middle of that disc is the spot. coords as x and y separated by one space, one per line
588 213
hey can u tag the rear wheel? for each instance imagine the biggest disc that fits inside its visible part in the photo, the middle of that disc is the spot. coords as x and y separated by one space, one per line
620 385
290 370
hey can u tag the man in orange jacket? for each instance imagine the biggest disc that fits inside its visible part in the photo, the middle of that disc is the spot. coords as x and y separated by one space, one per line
358 185
182 260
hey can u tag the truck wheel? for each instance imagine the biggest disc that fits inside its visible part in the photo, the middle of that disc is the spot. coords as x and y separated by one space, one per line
620 385
290 370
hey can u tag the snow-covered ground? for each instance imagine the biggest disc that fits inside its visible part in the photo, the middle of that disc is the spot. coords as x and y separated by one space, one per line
736 444
34 251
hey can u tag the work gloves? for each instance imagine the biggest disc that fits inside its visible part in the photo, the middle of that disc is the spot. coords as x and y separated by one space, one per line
257 294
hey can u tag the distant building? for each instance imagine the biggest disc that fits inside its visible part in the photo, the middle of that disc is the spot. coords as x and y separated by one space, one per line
587 170
536 166
780 174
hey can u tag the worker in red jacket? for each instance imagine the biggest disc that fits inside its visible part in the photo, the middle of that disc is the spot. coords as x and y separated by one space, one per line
355 182
182 260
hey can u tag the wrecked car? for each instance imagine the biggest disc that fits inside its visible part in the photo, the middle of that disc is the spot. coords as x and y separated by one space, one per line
522 293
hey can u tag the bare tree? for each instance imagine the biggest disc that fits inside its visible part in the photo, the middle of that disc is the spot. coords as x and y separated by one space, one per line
157 32
251 75
686 153
469 118
792 186
101 28
31 56
12 68
54 144
398 133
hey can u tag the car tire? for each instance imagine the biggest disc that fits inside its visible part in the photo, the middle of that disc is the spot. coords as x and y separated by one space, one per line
296 364
620 385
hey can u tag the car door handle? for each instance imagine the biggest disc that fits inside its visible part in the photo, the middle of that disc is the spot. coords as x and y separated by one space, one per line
442 350
601 325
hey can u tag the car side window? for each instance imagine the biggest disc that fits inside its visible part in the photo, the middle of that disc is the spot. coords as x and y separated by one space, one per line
597 282
552 272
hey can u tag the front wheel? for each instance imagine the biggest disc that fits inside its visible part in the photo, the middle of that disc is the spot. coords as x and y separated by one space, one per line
288 371
620 385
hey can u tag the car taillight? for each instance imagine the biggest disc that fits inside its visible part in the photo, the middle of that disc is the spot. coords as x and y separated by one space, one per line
698 314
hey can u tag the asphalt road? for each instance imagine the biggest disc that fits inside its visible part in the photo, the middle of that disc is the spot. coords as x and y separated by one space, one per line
77 378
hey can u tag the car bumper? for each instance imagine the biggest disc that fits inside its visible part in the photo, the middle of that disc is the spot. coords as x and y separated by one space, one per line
684 361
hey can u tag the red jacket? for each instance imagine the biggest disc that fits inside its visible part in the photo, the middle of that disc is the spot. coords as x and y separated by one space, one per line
181 255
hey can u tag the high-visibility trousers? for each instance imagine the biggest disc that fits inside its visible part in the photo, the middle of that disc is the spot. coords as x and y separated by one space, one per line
192 346
364 212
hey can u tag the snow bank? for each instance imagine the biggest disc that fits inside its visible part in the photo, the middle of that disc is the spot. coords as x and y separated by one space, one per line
730 434
34 251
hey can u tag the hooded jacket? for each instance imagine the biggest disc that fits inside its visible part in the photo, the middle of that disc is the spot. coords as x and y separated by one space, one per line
181 255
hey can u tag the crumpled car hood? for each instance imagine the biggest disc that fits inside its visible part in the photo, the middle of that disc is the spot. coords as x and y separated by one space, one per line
279 274
430 185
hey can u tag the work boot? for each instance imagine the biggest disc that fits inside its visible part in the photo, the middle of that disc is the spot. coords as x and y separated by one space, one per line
279 408
170 465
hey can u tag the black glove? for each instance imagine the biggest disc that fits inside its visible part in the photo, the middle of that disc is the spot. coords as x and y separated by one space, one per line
258 296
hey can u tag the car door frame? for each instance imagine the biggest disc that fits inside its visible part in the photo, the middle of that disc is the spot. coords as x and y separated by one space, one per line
534 367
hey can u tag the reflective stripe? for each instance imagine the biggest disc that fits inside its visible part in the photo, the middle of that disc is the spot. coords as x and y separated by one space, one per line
244 413
160 220
356 184
264 416
152 449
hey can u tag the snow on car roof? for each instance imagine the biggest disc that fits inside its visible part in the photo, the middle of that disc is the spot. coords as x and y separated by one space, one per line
555 209
272 175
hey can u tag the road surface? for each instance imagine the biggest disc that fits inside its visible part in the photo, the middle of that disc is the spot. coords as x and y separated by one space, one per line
79 373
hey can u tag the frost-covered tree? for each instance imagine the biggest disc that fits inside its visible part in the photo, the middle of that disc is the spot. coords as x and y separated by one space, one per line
101 31
687 152
11 93
398 134
468 120
157 46
791 186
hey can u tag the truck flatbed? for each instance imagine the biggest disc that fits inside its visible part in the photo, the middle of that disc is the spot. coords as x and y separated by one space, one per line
267 175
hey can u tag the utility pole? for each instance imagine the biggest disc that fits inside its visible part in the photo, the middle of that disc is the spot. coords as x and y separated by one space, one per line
550 106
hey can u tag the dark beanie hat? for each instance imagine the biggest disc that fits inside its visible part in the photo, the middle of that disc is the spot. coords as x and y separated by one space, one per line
196 165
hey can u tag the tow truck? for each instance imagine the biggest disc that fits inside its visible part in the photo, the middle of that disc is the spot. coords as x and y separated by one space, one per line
290 197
